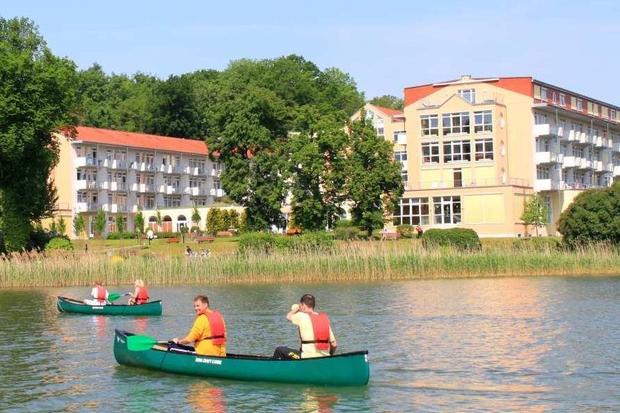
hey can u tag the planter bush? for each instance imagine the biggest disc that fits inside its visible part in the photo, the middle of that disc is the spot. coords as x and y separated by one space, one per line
406 231
463 239
538 244
59 243
122 235
346 233
168 235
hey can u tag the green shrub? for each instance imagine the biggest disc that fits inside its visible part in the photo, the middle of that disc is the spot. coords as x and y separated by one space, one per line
343 223
593 216
59 243
459 238
345 233
38 239
122 235
538 244
168 235
406 231
266 243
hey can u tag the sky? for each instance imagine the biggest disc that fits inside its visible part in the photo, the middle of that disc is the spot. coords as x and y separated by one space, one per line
384 45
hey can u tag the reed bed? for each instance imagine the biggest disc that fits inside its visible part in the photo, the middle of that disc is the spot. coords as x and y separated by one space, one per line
356 261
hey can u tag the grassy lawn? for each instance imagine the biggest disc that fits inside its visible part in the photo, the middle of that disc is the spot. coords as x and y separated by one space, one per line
157 247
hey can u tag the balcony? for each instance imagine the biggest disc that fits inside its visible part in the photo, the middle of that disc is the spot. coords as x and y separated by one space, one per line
85 161
143 187
168 189
616 146
81 184
85 207
546 184
114 164
170 169
570 161
597 166
584 163
216 172
616 170
574 135
597 141
142 167
608 166
400 139
196 191
218 193
547 129
194 170
548 157
117 186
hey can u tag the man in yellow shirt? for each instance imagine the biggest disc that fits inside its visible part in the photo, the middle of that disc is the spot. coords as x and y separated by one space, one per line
317 337
208 332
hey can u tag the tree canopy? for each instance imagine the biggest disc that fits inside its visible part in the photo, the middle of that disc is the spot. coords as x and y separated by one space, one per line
388 101
37 97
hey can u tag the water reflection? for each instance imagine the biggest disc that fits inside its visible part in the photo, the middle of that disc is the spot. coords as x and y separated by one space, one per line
205 397
319 401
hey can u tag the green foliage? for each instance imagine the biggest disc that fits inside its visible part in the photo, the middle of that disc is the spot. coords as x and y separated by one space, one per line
538 244
233 218
594 215
62 225
59 243
164 235
158 218
266 243
406 231
459 238
78 225
196 215
215 221
138 222
122 235
120 222
243 219
37 96
100 223
38 238
225 217
346 233
388 101
374 180
535 212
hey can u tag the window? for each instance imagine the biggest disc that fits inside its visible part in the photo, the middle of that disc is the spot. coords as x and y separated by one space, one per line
400 155
400 136
579 104
483 121
404 176
172 201
217 184
430 152
456 151
540 119
543 93
457 177
484 149
547 202
412 211
468 94
430 125
447 209
542 172
562 99
612 114
370 114
380 132
455 122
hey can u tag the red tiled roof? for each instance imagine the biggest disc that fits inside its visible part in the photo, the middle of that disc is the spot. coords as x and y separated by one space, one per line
388 111
140 140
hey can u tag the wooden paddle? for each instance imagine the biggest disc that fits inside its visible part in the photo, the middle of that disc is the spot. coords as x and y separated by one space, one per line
140 343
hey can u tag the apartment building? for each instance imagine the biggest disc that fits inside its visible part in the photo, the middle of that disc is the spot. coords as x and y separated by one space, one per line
122 172
474 149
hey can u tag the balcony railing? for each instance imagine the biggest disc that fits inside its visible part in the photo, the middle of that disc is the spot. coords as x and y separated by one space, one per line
82 184
85 161
548 157
412 185
86 207
547 129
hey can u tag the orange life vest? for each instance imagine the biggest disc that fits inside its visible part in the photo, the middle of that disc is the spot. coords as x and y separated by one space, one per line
101 293
218 329
143 295
320 327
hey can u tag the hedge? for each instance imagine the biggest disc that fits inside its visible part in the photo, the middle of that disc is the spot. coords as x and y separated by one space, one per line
59 243
265 243
406 231
459 238
122 235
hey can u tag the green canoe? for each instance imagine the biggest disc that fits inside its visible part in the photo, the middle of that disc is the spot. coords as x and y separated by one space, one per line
68 305
349 369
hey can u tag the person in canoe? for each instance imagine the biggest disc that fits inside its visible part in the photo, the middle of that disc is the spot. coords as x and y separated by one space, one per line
208 332
99 295
140 294
317 337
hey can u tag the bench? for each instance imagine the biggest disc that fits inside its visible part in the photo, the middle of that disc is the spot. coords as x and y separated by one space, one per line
173 240
205 239
224 234
390 235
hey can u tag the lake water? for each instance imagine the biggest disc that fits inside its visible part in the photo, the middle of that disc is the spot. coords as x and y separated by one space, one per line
512 344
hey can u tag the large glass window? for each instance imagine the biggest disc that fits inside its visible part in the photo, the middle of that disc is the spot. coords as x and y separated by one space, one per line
455 122
468 94
447 209
412 211
542 172
484 149
400 155
430 125
456 151
404 176
483 121
430 152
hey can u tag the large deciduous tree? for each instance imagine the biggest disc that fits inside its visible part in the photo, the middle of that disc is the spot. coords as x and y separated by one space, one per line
37 95
388 101
374 177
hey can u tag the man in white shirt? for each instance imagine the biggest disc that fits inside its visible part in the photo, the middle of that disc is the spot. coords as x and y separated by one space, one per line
317 337
99 294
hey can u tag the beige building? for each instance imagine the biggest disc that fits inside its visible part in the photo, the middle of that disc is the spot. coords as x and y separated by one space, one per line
473 150
121 173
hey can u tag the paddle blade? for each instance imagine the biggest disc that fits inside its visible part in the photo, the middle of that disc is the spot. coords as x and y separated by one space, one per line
140 343
114 296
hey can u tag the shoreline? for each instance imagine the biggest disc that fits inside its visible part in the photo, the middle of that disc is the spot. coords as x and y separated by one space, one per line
354 263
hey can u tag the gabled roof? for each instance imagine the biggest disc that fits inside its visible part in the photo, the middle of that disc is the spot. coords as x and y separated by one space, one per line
140 140
389 111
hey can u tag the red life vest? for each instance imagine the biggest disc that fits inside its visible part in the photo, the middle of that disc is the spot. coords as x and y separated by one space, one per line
101 293
143 295
320 326
218 328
